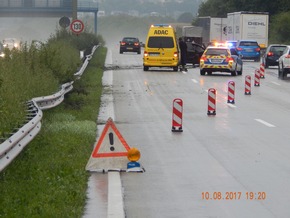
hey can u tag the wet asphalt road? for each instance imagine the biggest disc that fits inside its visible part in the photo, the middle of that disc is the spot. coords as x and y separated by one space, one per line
233 164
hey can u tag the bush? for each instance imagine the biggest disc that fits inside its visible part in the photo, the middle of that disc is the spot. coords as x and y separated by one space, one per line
35 71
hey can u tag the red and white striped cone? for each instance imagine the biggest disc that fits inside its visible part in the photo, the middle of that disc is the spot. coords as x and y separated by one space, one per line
231 92
177 115
257 78
262 70
248 85
211 102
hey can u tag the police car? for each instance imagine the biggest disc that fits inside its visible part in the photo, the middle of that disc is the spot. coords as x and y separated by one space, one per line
221 59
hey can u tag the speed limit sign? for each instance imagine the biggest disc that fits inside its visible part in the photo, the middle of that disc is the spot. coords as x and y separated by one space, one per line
77 26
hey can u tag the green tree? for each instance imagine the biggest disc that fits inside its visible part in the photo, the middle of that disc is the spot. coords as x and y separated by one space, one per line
280 28
185 18
220 8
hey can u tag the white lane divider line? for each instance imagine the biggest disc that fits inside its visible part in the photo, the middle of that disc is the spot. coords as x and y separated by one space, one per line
231 105
265 123
194 80
115 197
278 84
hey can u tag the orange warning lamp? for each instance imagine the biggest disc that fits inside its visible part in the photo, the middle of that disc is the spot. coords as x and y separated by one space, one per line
133 154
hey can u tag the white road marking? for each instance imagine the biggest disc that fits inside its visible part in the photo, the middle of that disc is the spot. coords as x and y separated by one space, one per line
194 80
278 84
115 198
231 105
265 123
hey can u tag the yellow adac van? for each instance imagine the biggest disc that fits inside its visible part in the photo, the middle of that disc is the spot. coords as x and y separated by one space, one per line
161 47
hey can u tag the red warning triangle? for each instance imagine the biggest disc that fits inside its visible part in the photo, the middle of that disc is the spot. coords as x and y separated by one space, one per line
111 143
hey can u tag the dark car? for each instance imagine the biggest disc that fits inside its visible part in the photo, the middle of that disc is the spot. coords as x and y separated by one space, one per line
272 54
249 49
194 52
130 44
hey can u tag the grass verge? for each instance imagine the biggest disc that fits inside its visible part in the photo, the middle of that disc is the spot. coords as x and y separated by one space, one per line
48 178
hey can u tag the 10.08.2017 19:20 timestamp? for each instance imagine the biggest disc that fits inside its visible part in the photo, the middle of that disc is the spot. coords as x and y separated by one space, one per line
233 196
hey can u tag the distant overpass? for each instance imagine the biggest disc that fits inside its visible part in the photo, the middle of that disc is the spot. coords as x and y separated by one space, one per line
45 8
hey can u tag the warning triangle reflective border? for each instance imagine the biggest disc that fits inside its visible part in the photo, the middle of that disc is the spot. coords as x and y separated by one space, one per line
100 148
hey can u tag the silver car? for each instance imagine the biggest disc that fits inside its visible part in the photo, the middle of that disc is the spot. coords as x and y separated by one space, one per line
284 63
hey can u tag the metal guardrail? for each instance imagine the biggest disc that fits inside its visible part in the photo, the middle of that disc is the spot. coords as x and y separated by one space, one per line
11 147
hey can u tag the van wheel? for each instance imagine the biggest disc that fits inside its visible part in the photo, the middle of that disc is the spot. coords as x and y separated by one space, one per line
175 69
202 72
234 72
145 68
240 72
283 74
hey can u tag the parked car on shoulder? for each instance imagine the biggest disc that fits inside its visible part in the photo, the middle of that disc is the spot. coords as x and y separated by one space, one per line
194 52
11 43
130 44
249 49
284 63
221 59
272 54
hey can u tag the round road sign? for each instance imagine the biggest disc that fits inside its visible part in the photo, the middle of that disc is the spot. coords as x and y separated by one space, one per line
64 22
77 26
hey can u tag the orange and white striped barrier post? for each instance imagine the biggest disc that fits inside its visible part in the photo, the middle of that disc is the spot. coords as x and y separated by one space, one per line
262 70
248 85
177 115
211 110
231 92
257 78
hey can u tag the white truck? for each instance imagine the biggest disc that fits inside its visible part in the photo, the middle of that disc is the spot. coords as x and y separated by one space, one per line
192 33
248 26
213 29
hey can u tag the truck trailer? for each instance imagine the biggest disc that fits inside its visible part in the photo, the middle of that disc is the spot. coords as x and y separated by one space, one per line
213 29
248 26
192 34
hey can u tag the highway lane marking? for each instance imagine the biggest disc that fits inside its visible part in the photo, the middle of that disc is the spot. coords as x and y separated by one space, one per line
231 105
265 123
278 84
115 198
194 80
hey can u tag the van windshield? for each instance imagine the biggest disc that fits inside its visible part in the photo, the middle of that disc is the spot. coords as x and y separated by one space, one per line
160 42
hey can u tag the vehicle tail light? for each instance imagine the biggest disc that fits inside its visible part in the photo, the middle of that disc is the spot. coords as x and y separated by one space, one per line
239 49
145 54
270 53
257 49
203 58
175 54
229 59
136 43
123 43
287 56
